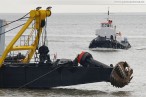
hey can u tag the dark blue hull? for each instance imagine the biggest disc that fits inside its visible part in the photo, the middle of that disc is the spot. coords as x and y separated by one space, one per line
63 72
44 76
107 43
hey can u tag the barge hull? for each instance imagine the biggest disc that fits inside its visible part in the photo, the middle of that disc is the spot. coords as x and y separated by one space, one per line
43 76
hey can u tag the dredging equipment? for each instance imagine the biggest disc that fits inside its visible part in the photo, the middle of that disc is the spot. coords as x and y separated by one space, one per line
17 71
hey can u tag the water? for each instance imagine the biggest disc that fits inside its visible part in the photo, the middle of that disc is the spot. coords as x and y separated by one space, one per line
69 34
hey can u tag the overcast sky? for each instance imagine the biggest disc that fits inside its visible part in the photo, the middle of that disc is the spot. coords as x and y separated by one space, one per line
73 6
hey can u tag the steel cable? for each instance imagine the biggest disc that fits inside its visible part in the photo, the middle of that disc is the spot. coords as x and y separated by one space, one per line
15 20
12 29
38 77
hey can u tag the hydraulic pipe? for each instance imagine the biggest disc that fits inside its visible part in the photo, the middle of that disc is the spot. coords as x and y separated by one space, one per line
120 75
87 60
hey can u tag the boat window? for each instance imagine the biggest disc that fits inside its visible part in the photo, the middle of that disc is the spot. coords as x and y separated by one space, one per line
109 25
105 25
102 25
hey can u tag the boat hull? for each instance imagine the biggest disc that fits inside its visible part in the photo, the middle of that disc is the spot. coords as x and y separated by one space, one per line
63 72
45 76
108 44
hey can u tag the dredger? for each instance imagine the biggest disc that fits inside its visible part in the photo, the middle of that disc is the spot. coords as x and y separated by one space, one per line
17 70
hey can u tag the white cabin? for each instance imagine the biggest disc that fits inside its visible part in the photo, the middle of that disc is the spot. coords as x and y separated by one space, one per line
107 30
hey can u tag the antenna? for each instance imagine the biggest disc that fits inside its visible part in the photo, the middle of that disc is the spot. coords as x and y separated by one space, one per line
108 14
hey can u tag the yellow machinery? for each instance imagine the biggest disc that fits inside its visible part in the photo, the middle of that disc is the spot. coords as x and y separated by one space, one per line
38 16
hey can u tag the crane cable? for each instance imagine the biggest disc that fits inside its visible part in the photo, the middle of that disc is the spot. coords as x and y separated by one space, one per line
15 20
12 29
45 36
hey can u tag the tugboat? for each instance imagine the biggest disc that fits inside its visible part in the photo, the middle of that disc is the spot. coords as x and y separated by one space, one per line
18 71
108 38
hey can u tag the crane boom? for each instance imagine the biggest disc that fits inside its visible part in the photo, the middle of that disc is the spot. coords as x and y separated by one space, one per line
38 16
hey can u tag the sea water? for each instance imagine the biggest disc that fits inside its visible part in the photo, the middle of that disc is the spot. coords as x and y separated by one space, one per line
70 34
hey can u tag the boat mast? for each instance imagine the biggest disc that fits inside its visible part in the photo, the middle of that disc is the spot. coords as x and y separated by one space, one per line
108 14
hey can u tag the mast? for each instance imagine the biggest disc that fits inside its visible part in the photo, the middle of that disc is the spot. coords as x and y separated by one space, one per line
108 14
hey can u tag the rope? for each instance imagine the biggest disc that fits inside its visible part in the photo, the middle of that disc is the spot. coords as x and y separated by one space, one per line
12 29
45 36
38 78
15 20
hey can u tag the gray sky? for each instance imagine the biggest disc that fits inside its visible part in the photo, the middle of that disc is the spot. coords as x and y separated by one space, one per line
73 6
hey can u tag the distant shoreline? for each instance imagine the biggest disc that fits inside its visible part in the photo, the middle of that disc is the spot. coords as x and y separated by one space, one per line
99 13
